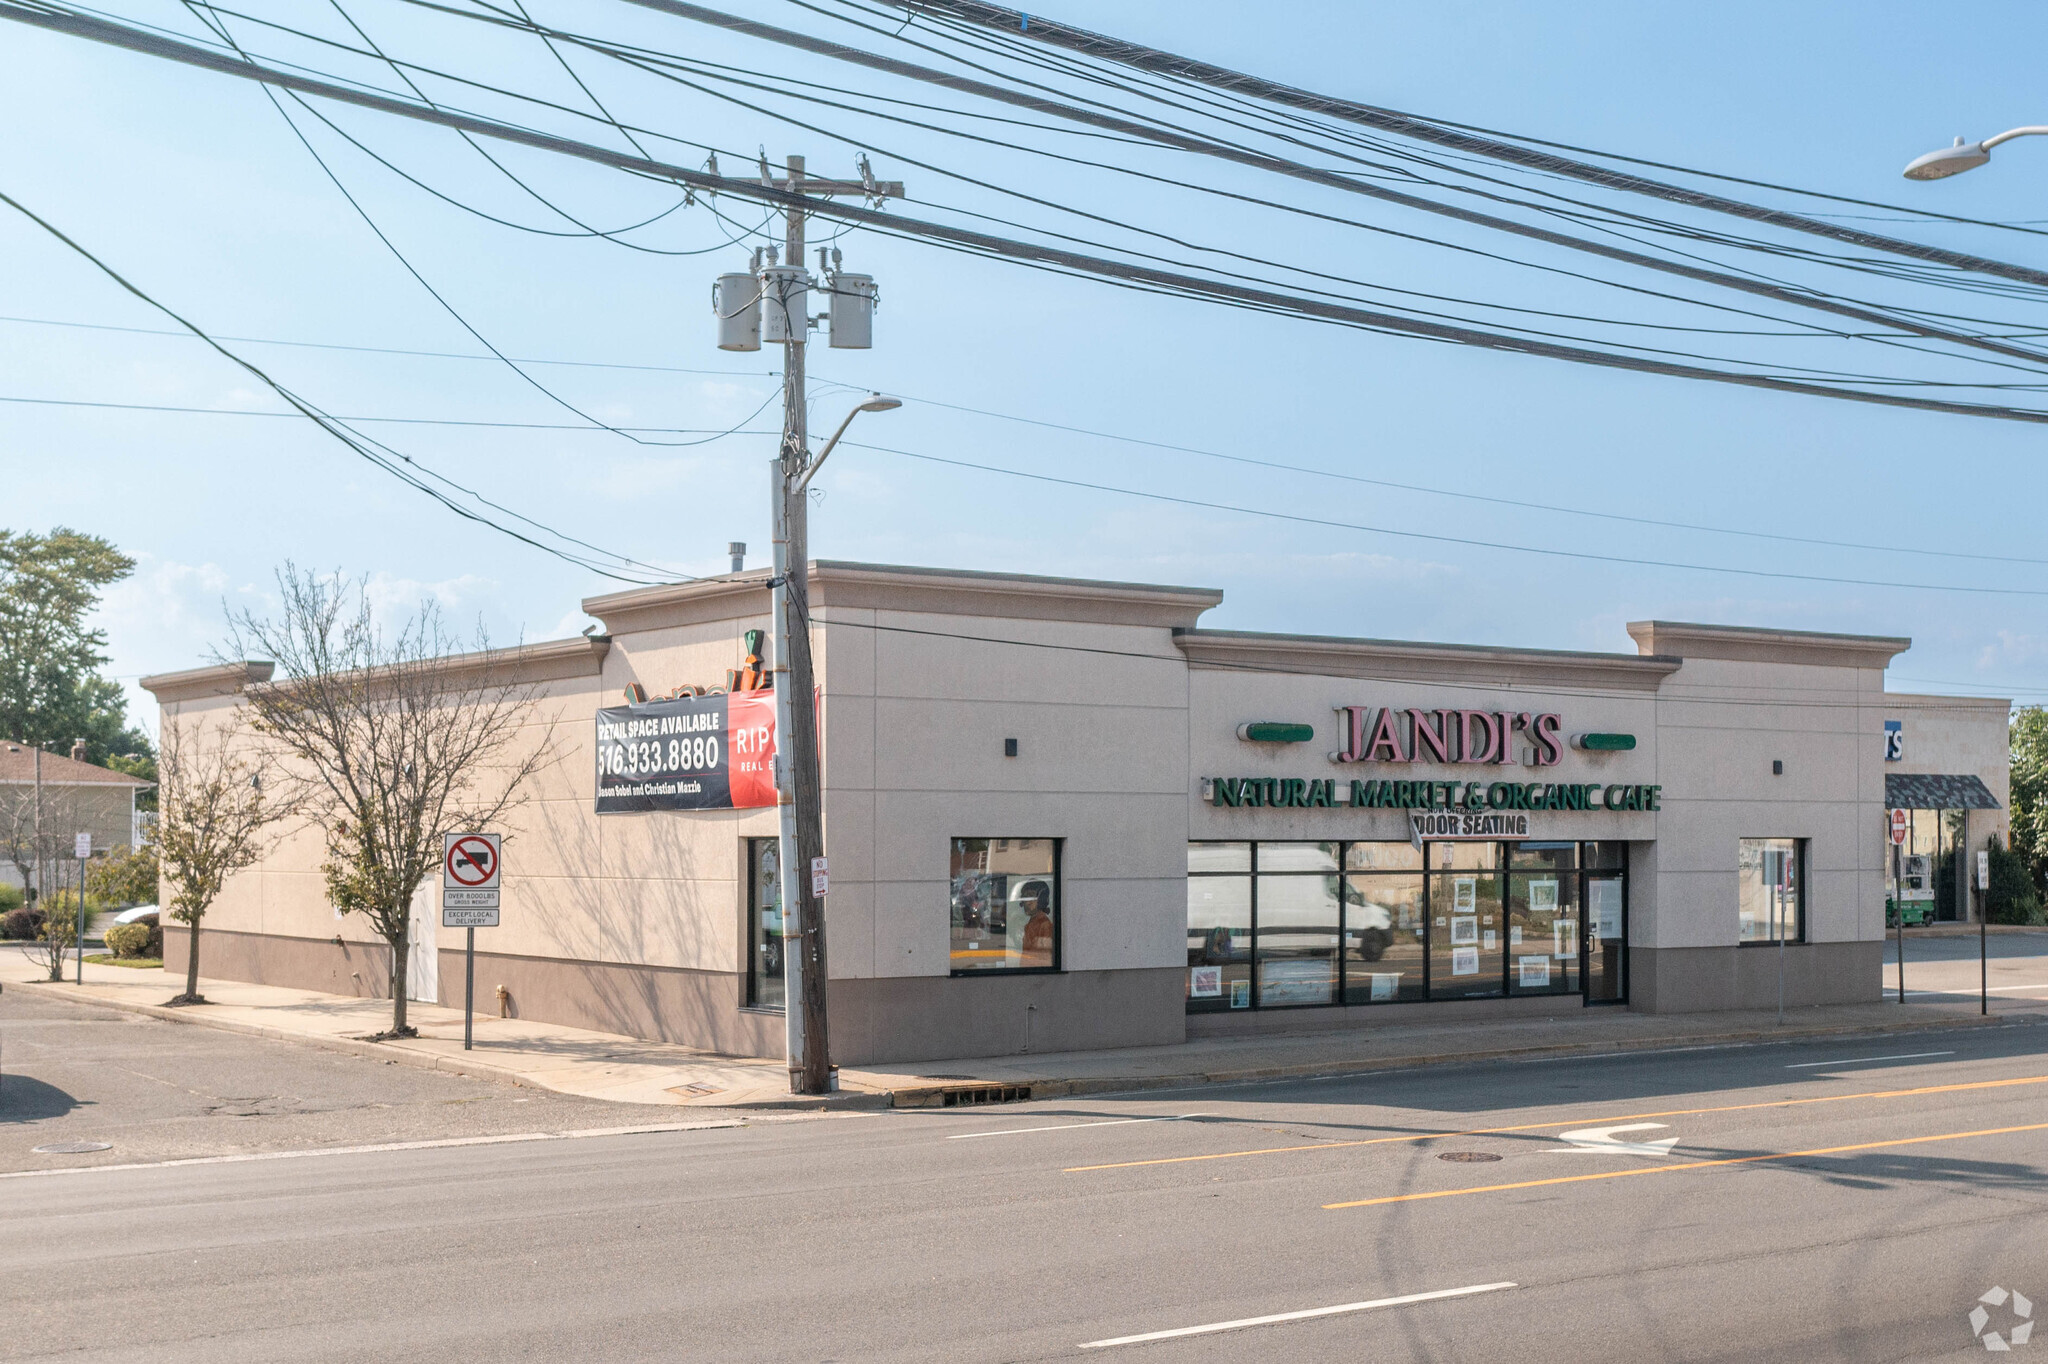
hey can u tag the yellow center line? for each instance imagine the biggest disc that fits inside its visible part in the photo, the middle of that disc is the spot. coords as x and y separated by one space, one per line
1568 1122
1689 1165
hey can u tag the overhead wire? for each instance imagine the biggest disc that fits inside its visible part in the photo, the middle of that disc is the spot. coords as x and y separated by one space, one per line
1031 255
1302 518
413 473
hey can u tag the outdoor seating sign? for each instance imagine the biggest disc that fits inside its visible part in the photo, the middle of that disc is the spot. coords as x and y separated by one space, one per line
714 752
471 866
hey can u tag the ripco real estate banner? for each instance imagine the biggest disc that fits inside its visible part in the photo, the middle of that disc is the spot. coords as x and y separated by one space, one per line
687 753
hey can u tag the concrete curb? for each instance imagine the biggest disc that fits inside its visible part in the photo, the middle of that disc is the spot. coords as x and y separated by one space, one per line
912 1094
920 1096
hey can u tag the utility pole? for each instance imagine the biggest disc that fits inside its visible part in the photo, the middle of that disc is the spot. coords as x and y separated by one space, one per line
785 316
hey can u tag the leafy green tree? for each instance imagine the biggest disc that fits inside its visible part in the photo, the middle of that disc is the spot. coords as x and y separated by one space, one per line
126 876
51 689
2013 897
2030 788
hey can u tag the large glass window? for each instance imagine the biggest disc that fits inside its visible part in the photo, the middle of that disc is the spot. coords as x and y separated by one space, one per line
1300 924
764 924
1543 919
1006 904
1772 901
1467 941
1219 926
1298 928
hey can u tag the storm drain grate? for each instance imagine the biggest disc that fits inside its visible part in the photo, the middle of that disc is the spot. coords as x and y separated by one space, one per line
73 1148
1468 1157
983 1094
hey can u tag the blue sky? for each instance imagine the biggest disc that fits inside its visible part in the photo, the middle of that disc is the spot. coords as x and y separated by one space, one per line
192 185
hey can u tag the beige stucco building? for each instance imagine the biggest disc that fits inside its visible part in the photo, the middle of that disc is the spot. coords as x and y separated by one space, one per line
1060 815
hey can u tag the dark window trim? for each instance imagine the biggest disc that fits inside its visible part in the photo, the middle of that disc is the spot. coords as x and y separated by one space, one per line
1059 913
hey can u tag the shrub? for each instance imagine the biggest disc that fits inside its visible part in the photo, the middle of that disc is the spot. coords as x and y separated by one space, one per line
11 897
20 923
129 940
2013 897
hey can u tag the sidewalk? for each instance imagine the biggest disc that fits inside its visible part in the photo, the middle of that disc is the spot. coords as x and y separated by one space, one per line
628 1070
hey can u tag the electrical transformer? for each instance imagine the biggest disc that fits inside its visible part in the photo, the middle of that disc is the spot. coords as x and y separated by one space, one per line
785 303
737 301
853 311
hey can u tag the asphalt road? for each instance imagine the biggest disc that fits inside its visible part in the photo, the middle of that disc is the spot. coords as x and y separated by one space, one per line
1844 1200
155 1090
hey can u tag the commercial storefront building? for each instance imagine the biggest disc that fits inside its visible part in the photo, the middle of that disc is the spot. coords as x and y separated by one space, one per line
1060 815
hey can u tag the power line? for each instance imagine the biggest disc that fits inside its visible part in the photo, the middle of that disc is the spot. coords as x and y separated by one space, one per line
1101 47
712 431
1584 555
959 239
367 449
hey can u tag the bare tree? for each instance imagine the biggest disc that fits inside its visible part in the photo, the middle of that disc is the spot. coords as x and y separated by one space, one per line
389 742
214 818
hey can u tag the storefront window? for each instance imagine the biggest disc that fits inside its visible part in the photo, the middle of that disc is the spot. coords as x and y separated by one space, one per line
1278 925
1005 913
764 924
1219 939
1297 932
1543 919
1773 890
1384 942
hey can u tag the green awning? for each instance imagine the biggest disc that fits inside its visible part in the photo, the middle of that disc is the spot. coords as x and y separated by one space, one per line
1926 791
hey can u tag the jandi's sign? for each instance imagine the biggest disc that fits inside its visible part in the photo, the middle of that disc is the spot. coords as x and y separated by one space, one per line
1386 735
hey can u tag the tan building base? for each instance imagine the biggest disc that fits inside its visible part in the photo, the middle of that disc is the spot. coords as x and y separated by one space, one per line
914 1018
1688 980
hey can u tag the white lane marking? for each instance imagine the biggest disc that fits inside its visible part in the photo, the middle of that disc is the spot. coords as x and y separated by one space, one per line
1299 1316
1866 1060
1599 1141
434 1145
1072 1126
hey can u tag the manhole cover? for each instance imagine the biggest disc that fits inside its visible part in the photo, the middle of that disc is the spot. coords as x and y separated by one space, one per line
73 1148
1468 1157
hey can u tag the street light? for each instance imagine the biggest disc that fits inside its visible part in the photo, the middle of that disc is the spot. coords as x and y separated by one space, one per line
875 403
1963 156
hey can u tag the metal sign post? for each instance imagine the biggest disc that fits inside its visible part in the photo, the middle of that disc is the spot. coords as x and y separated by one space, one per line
1897 829
81 848
471 868
1983 935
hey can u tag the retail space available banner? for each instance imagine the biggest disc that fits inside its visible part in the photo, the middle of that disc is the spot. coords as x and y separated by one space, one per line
687 753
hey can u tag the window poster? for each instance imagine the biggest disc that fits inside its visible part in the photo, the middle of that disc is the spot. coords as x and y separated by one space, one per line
1205 982
1515 936
1464 929
1606 896
1465 895
1464 961
1535 971
1543 897
1565 939
1488 939
1385 984
1240 994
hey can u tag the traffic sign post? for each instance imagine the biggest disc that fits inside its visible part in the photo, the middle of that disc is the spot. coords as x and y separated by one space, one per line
471 866
81 848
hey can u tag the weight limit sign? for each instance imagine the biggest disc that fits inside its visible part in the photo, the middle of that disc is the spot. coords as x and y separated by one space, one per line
470 868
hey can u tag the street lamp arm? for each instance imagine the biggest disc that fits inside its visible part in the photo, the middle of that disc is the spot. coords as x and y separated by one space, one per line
2032 131
875 403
